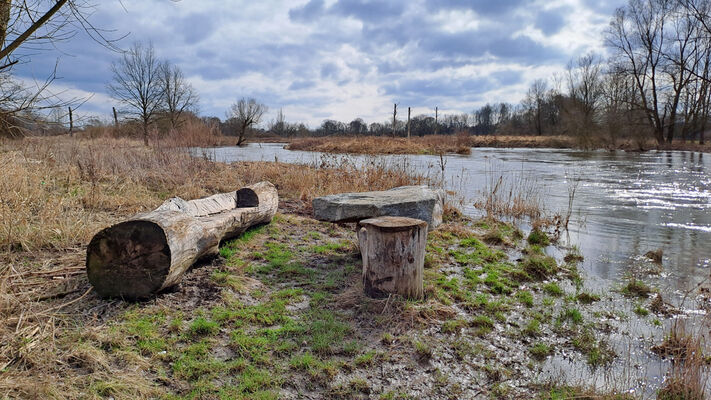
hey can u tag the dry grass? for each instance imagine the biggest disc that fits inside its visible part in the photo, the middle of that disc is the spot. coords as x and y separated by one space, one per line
431 144
462 144
517 196
688 377
55 193
384 145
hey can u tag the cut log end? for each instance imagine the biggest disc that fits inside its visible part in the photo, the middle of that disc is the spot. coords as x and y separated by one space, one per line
393 251
129 260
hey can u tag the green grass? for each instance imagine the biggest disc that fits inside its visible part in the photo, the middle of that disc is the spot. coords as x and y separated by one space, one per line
641 311
538 237
598 352
483 324
423 350
366 359
540 350
553 289
540 266
636 288
525 297
325 331
230 248
453 325
331 248
203 327
571 314
533 328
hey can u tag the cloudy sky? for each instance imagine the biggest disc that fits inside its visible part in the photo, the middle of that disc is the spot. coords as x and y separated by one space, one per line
337 59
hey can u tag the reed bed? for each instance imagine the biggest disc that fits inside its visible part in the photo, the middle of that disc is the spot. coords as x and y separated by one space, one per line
431 144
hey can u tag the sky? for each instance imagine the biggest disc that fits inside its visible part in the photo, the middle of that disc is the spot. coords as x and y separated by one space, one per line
335 59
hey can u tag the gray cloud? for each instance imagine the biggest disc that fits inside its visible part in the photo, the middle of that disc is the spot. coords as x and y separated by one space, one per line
374 52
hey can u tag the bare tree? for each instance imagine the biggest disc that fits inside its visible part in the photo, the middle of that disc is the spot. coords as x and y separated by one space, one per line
636 35
137 84
244 114
178 94
39 23
36 25
279 126
534 104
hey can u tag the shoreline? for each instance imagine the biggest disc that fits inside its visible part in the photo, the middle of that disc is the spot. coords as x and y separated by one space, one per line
280 313
440 144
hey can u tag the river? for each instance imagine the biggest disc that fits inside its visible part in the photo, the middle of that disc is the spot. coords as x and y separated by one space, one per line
625 204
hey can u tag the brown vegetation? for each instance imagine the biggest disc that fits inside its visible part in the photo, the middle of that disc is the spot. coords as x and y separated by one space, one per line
462 144
431 144
688 376
55 193
428 144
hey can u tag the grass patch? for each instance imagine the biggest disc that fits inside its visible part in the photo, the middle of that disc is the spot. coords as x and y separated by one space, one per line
540 351
539 266
538 237
525 297
598 352
553 289
636 288
202 327
587 298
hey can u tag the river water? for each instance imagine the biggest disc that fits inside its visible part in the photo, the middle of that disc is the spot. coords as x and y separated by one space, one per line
625 204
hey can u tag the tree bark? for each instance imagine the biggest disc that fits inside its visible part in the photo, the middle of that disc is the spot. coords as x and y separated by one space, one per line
145 133
5 51
71 123
393 251
150 252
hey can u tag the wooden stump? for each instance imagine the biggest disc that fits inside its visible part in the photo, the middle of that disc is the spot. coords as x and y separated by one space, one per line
393 250
150 252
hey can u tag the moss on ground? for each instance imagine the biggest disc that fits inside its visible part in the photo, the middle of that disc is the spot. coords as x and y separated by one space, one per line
281 313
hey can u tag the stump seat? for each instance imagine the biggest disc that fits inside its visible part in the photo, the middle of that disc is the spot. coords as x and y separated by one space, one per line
393 251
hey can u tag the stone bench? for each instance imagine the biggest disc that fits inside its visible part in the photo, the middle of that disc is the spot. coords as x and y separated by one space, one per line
420 202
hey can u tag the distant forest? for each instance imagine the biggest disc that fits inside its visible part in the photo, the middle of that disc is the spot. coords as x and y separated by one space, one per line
656 83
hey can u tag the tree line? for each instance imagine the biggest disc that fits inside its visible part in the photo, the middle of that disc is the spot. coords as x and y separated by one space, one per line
656 84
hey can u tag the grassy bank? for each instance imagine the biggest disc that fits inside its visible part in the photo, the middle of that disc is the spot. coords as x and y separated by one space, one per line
55 193
280 313
462 144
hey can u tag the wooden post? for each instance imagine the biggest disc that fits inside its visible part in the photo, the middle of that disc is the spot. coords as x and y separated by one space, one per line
115 117
71 123
393 251
436 120
150 252
408 123
394 117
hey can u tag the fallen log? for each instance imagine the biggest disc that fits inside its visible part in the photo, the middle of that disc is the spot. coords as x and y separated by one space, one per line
150 252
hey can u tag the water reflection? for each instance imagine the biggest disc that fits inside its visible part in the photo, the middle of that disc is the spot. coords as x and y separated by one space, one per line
626 203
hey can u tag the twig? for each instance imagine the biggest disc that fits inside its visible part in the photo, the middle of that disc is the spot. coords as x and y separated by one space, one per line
68 303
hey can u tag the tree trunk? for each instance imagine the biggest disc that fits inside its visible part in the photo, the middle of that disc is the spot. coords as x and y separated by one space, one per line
145 133
408 123
150 252
5 6
71 123
393 251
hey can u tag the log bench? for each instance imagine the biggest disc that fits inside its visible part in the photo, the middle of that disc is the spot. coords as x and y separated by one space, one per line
150 252
393 251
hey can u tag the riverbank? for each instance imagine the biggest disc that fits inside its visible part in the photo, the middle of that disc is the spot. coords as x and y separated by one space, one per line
459 144
280 314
